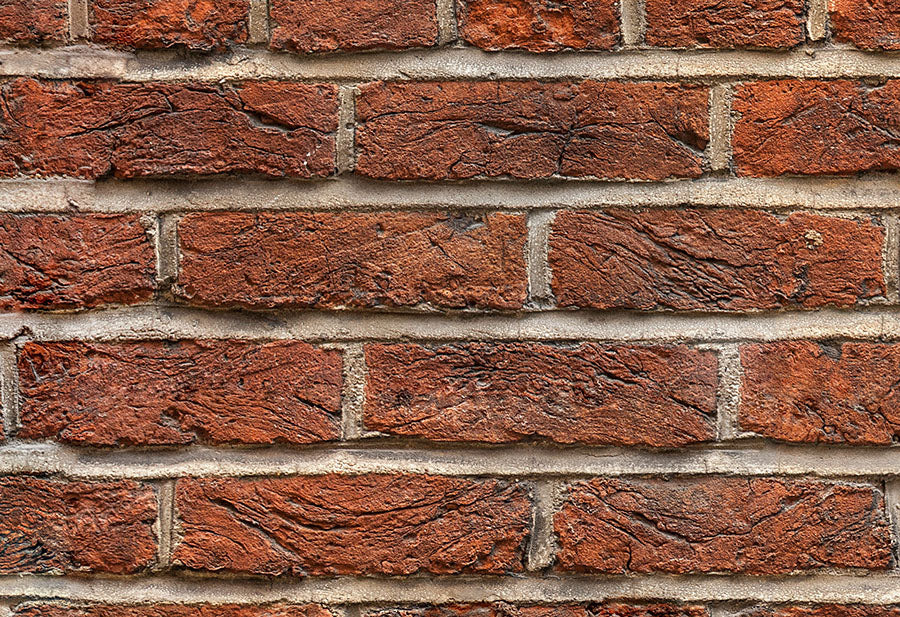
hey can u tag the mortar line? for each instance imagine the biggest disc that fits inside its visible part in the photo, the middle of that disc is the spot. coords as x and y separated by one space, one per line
167 253
542 546
9 374
79 21
354 392
537 252
165 523
632 22
720 127
448 27
258 25
728 397
891 258
817 20
345 147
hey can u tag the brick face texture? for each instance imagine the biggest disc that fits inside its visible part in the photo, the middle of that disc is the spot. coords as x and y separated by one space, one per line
539 25
326 525
531 130
588 306
655 396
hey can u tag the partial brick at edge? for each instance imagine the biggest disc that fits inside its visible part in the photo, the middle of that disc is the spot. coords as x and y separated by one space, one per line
51 526
661 396
353 260
29 22
764 526
531 130
353 525
504 609
867 24
713 260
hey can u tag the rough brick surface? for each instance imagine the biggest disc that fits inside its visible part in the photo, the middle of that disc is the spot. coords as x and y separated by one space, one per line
49 526
156 24
713 260
611 609
802 391
539 25
71 262
33 21
367 260
530 130
96 129
868 24
724 24
377 524
175 610
350 25
159 393
597 394
816 127
752 526
825 610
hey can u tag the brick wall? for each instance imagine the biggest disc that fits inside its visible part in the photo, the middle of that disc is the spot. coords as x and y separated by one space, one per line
449 308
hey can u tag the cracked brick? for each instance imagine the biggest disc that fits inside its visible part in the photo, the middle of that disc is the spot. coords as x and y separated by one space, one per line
531 130
499 393
359 525
175 393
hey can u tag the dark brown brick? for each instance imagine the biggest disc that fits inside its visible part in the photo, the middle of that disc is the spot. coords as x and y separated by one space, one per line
868 24
762 526
713 260
374 524
793 127
50 526
725 23
459 130
169 393
72 262
352 25
539 25
363 260
589 393
156 24
95 129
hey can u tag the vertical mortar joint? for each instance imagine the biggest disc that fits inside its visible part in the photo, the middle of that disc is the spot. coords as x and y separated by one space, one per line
633 22
79 21
537 259
721 127
542 548
354 392
345 139
258 25
448 29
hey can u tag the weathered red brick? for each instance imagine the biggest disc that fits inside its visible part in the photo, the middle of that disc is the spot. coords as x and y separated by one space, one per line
610 609
70 262
156 24
349 25
95 129
168 393
589 393
33 21
539 25
458 130
816 127
825 610
367 260
725 23
801 391
174 610
374 524
713 260
50 526
745 525
868 24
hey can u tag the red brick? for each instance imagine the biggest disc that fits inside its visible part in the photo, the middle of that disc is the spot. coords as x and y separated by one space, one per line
169 393
801 391
725 23
825 610
713 260
350 25
50 526
375 524
868 24
96 129
174 610
362 260
589 393
762 526
539 25
157 24
611 609
816 127
71 262
459 130
33 21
